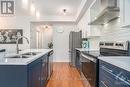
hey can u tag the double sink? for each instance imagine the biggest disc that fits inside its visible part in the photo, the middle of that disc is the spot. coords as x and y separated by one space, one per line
24 55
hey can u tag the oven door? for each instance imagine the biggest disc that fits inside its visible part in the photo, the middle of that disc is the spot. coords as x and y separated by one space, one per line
89 70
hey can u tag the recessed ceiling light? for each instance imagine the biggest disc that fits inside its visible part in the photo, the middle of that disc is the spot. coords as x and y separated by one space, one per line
46 26
32 8
25 4
25 1
64 11
37 14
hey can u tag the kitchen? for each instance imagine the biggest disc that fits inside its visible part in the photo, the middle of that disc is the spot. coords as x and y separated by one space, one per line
66 43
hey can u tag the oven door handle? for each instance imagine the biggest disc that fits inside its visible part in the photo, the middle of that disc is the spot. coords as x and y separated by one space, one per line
89 58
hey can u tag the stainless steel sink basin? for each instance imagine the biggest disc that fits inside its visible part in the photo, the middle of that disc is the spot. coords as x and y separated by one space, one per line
31 53
18 56
24 55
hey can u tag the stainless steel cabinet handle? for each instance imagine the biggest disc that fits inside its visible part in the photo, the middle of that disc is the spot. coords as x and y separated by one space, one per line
106 69
104 84
43 64
44 61
39 78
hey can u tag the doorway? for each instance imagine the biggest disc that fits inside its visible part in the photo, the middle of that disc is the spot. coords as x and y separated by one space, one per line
41 36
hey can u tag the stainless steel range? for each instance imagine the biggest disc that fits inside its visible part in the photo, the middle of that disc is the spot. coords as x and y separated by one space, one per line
89 59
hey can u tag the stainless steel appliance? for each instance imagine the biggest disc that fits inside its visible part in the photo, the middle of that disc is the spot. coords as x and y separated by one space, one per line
75 41
89 59
109 11
89 68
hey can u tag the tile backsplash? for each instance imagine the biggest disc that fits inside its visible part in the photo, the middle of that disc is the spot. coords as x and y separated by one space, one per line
113 32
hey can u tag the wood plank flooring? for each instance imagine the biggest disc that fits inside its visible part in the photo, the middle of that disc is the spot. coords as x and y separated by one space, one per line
64 76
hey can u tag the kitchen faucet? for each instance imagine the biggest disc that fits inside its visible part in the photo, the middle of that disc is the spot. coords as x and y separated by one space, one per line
17 43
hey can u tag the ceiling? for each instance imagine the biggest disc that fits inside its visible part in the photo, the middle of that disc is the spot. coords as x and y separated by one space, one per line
54 7
52 10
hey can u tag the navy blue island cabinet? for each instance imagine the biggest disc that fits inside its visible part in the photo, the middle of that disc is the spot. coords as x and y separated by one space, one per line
112 76
34 74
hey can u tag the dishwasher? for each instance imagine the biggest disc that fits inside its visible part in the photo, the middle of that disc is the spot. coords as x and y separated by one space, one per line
89 70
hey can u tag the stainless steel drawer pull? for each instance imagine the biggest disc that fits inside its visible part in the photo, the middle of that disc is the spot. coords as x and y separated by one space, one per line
104 84
42 79
39 78
43 64
106 69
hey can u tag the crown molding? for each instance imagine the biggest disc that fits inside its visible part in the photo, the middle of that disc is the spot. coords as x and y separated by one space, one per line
84 6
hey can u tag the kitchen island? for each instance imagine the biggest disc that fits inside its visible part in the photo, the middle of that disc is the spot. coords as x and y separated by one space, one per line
29 71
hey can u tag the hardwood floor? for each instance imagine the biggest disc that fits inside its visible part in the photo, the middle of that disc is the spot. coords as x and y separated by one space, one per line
64 76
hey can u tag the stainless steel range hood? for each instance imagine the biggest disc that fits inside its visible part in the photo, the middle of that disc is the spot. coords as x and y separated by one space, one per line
106 16
109 13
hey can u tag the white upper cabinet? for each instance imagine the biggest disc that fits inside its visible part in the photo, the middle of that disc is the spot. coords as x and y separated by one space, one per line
125 13
88 31
95 10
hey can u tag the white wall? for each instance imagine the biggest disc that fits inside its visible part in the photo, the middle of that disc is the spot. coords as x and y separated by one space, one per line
40 36
113 32
20 20
47 37
16 22
61 42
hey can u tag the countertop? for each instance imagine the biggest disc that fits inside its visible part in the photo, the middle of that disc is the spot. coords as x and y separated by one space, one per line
24 61
121 62
85 49
94 53
90 52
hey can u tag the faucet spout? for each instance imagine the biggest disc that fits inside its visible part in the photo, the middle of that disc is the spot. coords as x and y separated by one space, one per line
17 43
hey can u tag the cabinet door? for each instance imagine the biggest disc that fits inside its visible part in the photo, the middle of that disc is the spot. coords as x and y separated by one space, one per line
44 72
125 14
105 80
35 75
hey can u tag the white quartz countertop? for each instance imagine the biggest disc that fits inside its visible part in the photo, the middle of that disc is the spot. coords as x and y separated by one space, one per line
85 49
121 62
23 61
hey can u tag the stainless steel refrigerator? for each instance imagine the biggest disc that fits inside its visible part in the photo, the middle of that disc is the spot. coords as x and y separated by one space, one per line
75 41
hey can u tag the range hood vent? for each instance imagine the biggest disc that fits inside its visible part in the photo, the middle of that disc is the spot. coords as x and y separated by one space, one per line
107 15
